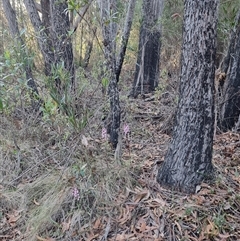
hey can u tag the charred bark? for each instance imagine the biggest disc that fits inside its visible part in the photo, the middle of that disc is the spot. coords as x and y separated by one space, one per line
108 9
188 159
109 31
87 55
230 109
125 37
115 113
148 60
46 20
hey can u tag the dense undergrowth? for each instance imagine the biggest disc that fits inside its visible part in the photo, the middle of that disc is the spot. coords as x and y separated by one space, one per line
61 180
60 183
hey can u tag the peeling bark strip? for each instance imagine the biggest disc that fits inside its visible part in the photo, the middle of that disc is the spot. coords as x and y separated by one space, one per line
230 110
148 60
188 160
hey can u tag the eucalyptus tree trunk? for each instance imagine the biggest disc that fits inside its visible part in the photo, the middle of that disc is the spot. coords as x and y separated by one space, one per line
148 60
125 36
44 8
189 158
230 109
52 31
62 44
42 33
14 30
108 12
109 32
89 47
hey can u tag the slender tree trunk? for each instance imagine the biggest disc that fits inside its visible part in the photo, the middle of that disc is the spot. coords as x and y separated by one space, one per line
46 19
148 60
125 36
62 44
87 54
230 109
188 159
81 13
108 9
14 30
43 35
56 47
109 31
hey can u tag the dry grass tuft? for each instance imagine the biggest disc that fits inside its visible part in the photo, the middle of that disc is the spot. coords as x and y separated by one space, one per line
61 183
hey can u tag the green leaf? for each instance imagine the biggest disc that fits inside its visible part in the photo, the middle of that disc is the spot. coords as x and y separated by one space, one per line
1 104
105 82
7 55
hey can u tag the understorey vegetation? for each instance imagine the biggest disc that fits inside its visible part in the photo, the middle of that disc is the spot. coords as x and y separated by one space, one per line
91 140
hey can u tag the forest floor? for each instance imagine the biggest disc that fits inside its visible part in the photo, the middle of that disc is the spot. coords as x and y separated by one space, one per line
57 183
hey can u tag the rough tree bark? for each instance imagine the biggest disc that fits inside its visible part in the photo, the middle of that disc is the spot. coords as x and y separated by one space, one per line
230 109
89 47
108 10
125 36
43 35
188 159
148 60
52 31
109 32
62 44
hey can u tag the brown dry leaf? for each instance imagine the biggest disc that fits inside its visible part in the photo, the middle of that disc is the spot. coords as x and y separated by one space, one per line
210 229
142 195
141 225
12 218
54 147
149 229
123 237
93 236
200 200
179 227
156 202
125 215
224 237
148 164
97 224
158 212
66 225
175 16
204 191
193 239
45 239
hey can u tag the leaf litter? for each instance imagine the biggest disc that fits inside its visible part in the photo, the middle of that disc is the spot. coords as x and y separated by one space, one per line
118 201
